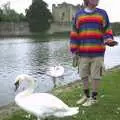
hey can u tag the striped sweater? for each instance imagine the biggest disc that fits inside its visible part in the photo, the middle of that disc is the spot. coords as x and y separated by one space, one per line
91 29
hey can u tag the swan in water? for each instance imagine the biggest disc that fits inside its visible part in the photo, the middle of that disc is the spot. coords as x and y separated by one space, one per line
41 104
55 72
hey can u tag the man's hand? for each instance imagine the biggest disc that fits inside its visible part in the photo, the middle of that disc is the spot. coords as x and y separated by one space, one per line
75 60
110 42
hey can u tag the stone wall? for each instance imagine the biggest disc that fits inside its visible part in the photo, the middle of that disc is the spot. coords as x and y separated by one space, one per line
14 29
60 27
22 29
64 12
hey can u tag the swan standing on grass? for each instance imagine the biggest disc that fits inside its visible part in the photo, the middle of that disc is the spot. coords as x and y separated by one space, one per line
41 104
55 72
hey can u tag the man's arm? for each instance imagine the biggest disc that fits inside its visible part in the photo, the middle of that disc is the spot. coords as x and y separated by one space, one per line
108 34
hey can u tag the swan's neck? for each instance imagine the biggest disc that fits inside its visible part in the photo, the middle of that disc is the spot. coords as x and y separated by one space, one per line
26 92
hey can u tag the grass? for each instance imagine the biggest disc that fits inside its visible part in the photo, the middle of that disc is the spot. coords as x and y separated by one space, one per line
108 107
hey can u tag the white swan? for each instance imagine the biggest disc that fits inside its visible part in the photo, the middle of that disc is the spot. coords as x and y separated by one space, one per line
41 104
54 72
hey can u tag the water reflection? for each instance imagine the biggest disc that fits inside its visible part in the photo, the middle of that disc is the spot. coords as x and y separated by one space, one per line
29 56
24 55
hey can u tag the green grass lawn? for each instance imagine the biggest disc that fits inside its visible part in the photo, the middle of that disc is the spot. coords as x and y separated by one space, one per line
108 107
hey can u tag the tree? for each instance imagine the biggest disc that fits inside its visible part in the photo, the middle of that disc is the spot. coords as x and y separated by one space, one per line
1 14
10 15
38 16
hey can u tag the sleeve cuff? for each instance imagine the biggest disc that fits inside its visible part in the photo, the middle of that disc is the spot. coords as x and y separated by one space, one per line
107 37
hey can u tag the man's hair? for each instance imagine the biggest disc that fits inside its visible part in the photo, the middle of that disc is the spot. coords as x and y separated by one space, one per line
86 2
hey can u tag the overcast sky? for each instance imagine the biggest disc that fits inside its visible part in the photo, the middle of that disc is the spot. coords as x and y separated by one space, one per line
111 6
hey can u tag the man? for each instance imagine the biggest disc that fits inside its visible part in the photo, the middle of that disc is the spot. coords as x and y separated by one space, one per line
91 32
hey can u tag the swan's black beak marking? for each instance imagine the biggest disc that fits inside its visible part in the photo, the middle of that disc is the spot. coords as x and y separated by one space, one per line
16 85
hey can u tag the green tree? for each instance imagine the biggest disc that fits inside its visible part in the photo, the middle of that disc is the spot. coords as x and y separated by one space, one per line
22 17
1 14
10 15
39 17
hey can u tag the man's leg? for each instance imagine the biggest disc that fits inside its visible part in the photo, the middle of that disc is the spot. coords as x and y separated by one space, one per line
96 75
95 86
86 87
84 74
86 91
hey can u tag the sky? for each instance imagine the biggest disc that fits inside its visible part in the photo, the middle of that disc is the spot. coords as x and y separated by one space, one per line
111 6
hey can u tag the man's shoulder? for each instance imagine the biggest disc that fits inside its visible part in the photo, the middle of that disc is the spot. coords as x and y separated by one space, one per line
101 10
79 11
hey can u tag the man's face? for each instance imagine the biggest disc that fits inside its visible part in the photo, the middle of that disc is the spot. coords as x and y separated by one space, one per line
93 2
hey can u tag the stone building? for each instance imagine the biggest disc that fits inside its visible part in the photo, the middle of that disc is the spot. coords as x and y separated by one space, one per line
63 13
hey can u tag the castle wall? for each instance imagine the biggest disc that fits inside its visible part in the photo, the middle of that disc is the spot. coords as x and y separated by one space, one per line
20 29
14 29
59 27
63 13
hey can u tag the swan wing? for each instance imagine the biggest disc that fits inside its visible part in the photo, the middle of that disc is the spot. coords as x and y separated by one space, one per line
43 100
51 71
59 71
56 71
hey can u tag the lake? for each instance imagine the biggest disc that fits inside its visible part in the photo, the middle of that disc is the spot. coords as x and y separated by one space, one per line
30 56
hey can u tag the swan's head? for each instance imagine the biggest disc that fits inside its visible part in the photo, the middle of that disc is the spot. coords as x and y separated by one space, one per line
21 78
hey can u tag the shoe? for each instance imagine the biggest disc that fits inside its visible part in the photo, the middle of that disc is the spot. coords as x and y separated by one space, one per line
89 102
82 100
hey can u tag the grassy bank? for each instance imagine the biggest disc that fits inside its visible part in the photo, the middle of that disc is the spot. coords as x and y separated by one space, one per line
108 107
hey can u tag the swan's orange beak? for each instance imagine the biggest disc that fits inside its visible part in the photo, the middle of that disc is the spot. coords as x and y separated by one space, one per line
16 85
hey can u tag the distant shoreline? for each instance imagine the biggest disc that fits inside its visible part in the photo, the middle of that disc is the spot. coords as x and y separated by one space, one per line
38 35
21 29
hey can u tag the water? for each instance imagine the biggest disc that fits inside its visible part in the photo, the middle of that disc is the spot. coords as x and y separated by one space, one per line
29 56
112 55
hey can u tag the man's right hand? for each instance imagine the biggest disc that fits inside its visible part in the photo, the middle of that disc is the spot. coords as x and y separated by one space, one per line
111 42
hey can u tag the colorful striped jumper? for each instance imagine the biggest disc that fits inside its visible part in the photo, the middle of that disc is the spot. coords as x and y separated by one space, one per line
91 29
